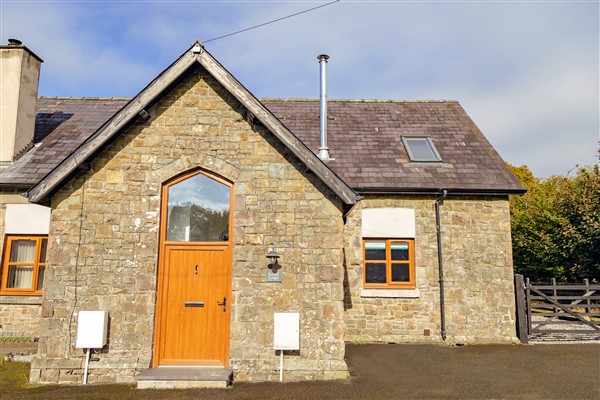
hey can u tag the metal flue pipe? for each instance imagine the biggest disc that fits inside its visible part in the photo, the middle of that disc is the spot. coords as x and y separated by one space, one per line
323 149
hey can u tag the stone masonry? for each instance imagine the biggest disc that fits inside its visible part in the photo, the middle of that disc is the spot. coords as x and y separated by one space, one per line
478 275
104 242
20 316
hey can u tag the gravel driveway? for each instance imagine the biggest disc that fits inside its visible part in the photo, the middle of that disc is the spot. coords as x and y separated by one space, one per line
385 371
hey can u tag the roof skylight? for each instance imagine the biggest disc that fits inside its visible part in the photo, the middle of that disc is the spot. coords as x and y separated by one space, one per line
420 149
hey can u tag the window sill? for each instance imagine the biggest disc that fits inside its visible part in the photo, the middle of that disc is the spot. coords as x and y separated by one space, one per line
391 293
428 164
13 299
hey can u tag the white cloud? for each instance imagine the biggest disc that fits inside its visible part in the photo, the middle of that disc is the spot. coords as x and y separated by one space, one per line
526 72
76 58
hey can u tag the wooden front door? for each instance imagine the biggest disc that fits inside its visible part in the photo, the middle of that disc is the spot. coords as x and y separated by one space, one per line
194 283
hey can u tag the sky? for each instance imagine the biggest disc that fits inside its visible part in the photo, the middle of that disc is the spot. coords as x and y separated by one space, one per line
527 72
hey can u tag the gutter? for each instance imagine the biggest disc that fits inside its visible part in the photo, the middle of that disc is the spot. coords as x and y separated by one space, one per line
15 186
455 192
438 202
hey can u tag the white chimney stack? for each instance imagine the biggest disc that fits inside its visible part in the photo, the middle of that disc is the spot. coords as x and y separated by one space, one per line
19 78
323 149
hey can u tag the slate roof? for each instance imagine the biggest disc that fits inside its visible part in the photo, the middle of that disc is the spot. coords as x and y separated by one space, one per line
364 138
61 126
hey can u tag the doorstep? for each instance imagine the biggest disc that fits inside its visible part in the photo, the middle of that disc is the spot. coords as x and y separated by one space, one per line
184 378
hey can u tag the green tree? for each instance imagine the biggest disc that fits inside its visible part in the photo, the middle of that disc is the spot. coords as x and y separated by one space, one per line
556 226
579 204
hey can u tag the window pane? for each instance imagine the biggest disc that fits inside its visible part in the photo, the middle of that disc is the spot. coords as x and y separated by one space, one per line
40 283
375 249
400 273
400 251
198 210
43 251
420 149
22 251
19 277
375 273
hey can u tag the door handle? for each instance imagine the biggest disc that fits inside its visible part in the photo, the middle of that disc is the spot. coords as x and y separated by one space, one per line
223 303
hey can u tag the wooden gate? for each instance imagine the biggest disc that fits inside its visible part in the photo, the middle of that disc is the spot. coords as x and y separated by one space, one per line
556 308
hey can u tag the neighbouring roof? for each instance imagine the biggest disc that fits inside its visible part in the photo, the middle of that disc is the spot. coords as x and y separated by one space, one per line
364 138
61 126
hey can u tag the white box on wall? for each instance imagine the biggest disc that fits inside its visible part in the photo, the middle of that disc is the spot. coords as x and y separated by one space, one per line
92 329
287 331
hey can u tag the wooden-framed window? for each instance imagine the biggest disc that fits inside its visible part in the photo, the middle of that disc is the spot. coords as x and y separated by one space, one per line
24 264
389 263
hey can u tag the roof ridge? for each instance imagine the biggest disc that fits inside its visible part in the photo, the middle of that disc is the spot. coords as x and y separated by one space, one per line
83 98
284 99
357 100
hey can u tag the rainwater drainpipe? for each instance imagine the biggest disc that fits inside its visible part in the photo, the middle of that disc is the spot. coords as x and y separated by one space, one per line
438 202
323 149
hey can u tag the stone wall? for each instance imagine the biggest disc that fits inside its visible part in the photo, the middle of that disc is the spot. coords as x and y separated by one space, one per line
478 276
104 242
20 316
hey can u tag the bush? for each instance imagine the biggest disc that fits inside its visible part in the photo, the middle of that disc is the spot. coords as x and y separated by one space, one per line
556 226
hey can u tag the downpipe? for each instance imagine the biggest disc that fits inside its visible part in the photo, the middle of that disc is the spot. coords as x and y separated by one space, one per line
438 202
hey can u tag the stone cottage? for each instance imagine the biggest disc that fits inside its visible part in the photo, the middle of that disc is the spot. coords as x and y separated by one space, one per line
386 221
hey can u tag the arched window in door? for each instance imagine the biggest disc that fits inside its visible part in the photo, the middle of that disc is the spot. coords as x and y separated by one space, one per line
197 209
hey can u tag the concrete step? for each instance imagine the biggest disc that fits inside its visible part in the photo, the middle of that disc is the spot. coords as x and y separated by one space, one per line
184 378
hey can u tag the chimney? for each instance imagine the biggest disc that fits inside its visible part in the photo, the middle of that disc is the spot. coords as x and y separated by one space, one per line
323 149
19 77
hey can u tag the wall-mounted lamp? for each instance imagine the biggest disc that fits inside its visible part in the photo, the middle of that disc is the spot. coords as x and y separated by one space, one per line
272 256
274 272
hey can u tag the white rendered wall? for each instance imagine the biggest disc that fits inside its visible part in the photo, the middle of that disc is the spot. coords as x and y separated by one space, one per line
27 219
19 76
388 223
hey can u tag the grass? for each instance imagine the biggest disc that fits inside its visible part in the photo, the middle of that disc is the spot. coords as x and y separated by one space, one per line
16 339
14 377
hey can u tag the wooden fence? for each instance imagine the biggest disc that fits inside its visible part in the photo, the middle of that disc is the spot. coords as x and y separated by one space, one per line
556 308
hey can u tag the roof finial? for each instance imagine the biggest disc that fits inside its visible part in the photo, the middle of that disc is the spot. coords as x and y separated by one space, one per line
197 47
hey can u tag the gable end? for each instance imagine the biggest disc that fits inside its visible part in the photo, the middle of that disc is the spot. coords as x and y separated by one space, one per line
136 107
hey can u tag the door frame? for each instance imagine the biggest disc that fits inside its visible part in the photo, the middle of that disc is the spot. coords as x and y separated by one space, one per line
161 278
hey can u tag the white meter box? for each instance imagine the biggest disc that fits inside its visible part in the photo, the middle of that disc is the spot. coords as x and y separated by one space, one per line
92 329
287 331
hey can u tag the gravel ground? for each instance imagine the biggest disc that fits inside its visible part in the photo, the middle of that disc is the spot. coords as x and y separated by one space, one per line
590 336
380 371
